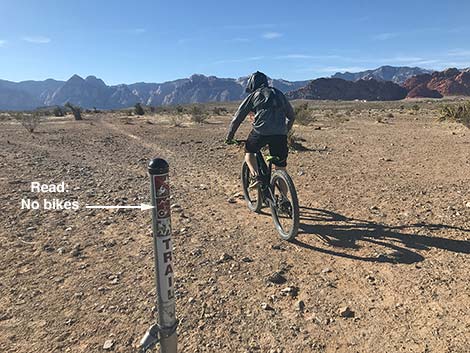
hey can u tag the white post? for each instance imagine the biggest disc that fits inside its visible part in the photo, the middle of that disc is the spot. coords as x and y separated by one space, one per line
165 331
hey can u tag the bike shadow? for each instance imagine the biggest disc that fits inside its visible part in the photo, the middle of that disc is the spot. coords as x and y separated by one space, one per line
402 242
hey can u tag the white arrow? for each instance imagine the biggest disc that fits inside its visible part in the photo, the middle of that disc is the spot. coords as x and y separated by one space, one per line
142 207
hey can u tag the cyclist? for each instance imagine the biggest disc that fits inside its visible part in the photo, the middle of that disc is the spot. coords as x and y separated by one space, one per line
274 117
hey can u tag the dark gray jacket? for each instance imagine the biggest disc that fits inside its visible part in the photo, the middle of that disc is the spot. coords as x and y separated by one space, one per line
273 112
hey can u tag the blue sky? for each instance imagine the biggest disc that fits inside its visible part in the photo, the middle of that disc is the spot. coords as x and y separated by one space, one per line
156 41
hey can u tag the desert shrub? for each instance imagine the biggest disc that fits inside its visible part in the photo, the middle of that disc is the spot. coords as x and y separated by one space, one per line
58 111
220 110
459 113
153 109
96 111
389 115
138 109
198 115
179 109
76 110
30 121
415 108
303 114
176 120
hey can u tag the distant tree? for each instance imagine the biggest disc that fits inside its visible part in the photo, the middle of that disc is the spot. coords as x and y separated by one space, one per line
138 110
76 110
58 111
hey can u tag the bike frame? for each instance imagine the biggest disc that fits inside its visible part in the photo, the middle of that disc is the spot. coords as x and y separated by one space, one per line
264 171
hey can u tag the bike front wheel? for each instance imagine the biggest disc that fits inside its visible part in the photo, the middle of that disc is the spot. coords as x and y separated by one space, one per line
252 196
284 205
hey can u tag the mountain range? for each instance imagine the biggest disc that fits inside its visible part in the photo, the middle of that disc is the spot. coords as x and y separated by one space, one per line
384 73
383 83
93 92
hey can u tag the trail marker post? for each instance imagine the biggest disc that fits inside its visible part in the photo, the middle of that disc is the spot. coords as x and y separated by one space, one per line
165 331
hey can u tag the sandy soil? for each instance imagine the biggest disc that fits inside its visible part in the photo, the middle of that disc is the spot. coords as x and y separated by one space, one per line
384 231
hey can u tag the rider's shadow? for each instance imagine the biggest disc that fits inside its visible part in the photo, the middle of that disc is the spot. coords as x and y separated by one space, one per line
343 235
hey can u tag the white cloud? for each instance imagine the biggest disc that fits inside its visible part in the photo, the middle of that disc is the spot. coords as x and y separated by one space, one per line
37 39
385 36
459 52
138 30
2 43
271 35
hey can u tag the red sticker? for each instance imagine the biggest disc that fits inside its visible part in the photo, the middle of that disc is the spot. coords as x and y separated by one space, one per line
162 186
163 208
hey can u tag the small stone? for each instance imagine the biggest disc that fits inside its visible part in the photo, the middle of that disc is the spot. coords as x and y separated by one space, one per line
231 200
225 257
61 251
108 344
300 306
292 291
76 250
326 270
345 311
467 204
276 278
266 306
247 259
191 300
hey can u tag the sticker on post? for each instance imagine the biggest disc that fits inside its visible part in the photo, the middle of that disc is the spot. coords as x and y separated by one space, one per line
162 185
163 227
163 208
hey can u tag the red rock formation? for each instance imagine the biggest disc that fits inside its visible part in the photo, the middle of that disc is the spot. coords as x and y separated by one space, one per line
423 91
338 89
450 82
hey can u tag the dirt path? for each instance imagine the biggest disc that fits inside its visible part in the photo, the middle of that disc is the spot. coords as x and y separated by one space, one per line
385 231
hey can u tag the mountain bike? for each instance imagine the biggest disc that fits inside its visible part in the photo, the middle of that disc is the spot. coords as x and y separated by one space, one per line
276 190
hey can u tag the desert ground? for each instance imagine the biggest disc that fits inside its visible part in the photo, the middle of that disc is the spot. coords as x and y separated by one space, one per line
380 263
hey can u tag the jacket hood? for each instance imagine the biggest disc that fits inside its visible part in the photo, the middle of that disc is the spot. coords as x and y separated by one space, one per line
256 80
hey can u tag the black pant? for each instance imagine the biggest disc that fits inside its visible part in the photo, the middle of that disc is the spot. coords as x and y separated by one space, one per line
277 146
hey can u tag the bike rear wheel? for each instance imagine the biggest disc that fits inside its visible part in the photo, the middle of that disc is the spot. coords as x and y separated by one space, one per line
253 196
285 205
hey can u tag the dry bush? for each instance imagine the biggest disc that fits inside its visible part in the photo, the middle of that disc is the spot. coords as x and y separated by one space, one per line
459 113
303 114
220 110
30 121
176 119
198 114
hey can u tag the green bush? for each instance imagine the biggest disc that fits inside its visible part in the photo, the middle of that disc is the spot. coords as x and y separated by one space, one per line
459 113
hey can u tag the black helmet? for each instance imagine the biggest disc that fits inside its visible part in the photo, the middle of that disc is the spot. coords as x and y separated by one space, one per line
256 80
